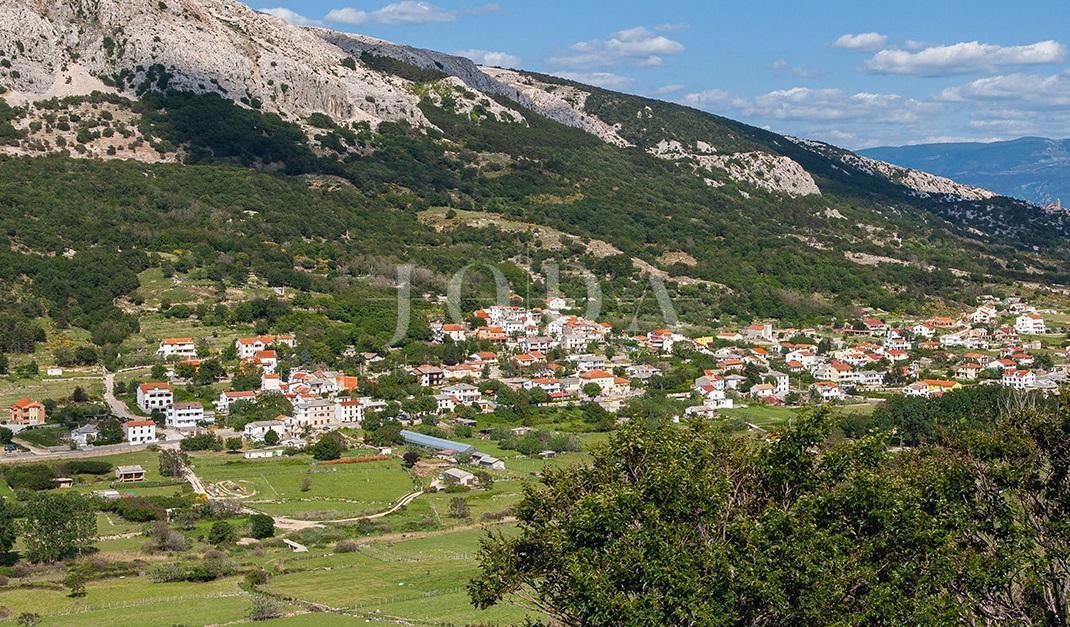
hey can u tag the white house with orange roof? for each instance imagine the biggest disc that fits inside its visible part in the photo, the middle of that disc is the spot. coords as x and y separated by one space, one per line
1019 379
154 396
556 303
139 431
828 391
248 347
454 331
176 347
229 397
1030 324
349 411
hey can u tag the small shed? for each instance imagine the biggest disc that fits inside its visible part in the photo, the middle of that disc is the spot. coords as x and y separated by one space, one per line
126 474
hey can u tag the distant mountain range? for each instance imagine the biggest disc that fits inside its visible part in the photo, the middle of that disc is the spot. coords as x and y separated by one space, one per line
1031 168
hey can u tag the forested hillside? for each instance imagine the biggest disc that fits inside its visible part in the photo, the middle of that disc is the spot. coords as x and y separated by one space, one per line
173 163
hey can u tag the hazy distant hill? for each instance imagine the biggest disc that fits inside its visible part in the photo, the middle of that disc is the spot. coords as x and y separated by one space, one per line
1031 168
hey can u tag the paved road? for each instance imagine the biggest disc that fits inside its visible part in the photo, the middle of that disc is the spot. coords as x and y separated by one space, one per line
119 408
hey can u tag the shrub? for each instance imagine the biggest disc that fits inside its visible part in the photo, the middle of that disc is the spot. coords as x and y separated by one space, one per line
347 546
30 477
261 526
264 608
221 532
137 509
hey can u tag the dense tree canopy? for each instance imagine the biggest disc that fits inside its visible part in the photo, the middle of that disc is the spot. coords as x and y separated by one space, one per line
693 526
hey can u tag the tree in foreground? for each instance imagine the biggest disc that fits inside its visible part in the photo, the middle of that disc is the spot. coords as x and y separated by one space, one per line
691 525
57 526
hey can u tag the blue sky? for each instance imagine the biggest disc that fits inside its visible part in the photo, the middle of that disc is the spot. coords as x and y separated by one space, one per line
856 74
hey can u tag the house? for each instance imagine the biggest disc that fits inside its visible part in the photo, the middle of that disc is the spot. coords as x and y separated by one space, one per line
454 331
445 403
587 363
918 388
869 379
264 453
759 333
1019 379
642 371
715 398
429 376
139 431
1030 324
556 303
184 415
257 429
761 390
227 398
458 477
875 326
247 347
601 378
827 391
464 393
267 360
661 340
154 396
349 411
968 371
486 461
84 436
27 412
316 413
124 474
779 381
983 315
176 347
939 386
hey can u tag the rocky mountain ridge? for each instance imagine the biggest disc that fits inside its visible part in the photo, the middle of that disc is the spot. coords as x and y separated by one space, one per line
74 47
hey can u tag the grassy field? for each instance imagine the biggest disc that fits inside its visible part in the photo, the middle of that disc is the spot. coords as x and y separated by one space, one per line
40 388
335 491
132 601
421 580
46 435
769 418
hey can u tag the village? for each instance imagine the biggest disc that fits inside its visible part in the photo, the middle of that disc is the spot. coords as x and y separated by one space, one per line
558 359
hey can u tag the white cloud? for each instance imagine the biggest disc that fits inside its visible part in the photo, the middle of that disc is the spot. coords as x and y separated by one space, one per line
665 90
637 45
714 98
805 103
963 58
802 72
485 9
347 15
672 27
779 64
1026 89
861 41
412 12
607 80
292 17
490 57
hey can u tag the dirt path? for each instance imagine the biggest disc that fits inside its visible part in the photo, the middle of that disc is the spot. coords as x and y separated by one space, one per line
296 524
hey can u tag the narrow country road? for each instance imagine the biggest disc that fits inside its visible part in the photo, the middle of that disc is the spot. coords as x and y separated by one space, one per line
115 406
119 409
